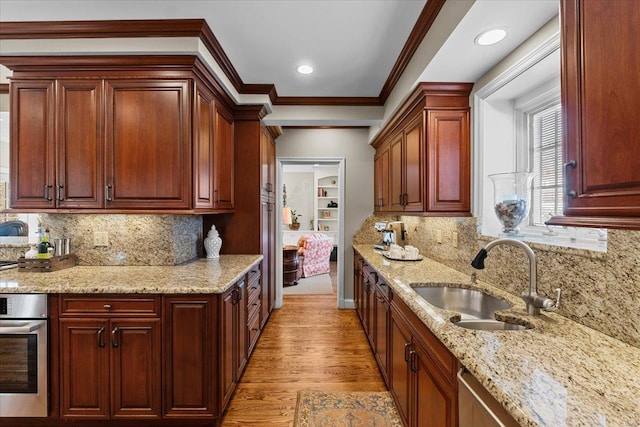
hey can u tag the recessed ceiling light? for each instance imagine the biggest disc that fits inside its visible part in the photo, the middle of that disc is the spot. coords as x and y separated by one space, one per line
305 69
490 37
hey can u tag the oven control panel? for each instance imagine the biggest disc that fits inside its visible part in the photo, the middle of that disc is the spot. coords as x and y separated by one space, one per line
23 306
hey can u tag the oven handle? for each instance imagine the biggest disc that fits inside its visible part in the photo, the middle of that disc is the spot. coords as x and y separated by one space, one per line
26 329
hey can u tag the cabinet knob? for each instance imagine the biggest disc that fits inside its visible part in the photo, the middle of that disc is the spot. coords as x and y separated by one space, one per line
107 306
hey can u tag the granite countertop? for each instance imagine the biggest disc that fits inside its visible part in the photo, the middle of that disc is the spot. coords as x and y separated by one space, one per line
201 276
559 373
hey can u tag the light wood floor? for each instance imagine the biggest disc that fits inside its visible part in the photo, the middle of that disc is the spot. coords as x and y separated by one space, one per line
307 344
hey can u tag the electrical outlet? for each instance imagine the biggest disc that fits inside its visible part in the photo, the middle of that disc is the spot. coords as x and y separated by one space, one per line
100 238
454 239
439 236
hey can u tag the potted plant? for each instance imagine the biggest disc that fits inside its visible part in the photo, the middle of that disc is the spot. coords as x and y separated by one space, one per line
295 224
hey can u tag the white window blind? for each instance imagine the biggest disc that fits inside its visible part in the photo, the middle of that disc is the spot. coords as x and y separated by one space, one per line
546 137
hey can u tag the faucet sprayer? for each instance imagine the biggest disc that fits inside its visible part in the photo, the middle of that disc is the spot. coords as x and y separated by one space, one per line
534 301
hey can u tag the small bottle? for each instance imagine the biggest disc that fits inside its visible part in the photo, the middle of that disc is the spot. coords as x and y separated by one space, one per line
32 252
44 245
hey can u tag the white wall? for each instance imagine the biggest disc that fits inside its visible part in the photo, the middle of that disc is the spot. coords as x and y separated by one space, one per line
353 146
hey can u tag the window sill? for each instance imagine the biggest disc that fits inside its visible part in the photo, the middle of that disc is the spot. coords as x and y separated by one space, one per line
559 244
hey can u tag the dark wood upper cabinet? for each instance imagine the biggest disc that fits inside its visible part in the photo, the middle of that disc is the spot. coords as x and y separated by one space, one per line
80 151
600 92
109 133
423 157
32 171
148 156
223 159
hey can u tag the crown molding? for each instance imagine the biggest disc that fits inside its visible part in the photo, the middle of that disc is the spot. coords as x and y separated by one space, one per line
199 28
419 31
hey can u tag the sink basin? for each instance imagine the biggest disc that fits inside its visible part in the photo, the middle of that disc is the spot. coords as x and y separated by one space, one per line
471 304
490 325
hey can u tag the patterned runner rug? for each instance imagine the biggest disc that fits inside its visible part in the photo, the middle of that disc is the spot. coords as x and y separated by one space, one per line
345 409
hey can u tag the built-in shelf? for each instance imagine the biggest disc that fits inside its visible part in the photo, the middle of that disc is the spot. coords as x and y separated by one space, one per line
326 218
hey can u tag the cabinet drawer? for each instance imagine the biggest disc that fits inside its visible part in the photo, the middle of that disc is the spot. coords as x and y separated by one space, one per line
110 306
253 327
253 305
254 274
383 288
253 291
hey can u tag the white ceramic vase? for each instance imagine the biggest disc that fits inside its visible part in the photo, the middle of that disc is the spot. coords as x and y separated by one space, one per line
213 243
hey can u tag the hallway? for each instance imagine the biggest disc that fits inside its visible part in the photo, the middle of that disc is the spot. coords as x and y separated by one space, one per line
307 344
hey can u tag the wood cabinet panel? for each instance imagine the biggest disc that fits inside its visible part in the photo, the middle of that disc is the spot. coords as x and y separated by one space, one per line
414 166
223 159
32 171
148 144
136 368
396 174
84 368
80 144
436 399
189 374
400 376
203 148
600 105
449 161
381 331
381 180
227 349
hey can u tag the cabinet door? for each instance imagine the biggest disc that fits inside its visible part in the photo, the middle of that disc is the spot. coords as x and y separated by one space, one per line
203 148
396 183
357 286
268 232
449 161
136 368
223 159
381 180
32 144
369 288
400 346
189 371
241 328
267 163
84 368
80 150
381 332
435 399
600 104
148 144
228 351
414 166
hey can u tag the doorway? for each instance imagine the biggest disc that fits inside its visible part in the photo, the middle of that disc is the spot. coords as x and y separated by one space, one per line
312 190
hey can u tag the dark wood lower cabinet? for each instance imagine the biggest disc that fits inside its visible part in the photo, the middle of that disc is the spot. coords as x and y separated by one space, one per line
149 360
418 369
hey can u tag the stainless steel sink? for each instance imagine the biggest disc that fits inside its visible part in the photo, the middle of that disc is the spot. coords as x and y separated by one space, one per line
490 325
471 304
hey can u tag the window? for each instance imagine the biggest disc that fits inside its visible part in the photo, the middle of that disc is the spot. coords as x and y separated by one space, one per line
545 144
518 128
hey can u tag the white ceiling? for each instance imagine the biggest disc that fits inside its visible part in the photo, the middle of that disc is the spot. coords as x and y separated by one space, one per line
352 44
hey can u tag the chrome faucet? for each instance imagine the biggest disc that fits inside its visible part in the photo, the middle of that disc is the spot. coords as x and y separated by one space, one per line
534 301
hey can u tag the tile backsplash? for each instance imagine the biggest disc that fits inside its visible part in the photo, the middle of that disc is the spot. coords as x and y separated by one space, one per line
601 290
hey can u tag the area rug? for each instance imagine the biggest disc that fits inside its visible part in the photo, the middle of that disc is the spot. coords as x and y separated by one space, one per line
346 409
314 285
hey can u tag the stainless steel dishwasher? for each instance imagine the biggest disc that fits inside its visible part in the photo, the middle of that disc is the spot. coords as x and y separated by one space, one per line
477 407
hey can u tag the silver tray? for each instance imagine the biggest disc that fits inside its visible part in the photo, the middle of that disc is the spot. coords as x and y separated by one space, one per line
387 256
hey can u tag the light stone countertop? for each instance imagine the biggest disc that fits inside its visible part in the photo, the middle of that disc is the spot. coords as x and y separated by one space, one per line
201 276
559 373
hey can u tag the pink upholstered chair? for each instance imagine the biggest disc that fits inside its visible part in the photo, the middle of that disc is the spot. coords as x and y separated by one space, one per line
315 251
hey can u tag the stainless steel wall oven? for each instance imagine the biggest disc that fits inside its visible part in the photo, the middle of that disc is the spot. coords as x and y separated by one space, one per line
23 355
